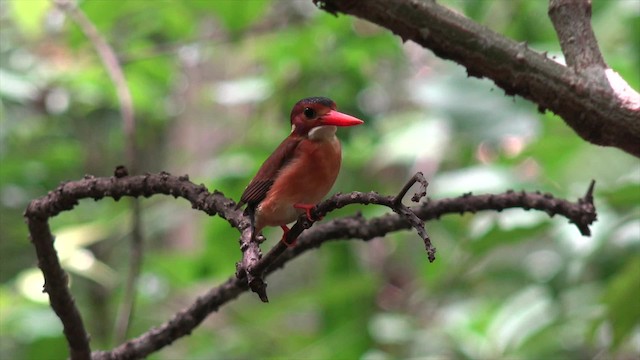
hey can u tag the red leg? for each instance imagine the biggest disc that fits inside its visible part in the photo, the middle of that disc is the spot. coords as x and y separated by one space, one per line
307 208
285 231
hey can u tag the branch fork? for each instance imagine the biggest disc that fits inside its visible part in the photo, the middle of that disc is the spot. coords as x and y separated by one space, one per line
253 265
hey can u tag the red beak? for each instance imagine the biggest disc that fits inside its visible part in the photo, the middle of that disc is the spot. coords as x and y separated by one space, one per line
337 118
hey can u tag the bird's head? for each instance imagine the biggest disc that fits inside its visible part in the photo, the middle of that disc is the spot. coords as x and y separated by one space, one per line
316 117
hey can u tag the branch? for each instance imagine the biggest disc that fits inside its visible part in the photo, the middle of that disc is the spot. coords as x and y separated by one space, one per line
602 108
66 196
581 213
572 21
56 285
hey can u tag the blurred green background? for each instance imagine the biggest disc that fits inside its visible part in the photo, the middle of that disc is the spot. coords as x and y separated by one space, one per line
213 83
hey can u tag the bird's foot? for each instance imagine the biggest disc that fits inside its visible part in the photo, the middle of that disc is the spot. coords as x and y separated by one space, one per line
285 231
307 208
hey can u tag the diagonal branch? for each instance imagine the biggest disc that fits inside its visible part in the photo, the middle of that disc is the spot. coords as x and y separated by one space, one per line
66 196
572 21
603 112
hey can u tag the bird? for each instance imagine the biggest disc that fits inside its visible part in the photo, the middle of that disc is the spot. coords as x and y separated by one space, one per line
301 170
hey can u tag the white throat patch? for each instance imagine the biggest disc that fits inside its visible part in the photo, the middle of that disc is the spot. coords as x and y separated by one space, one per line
325 132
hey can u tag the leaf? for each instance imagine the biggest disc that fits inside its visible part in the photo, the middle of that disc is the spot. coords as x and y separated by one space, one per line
29 15
625 197
236 17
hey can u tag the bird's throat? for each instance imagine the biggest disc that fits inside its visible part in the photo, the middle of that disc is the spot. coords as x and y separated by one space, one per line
322 133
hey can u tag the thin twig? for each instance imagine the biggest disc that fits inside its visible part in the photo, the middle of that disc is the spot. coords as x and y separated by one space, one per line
112 65
127 307
422 192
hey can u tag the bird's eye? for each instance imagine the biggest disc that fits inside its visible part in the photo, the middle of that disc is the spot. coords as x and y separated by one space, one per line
309 113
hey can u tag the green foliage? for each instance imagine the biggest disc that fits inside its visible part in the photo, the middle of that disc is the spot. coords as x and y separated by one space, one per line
213 83
621 301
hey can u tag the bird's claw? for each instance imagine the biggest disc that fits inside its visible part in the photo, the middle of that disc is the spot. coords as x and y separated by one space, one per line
307 208
285 231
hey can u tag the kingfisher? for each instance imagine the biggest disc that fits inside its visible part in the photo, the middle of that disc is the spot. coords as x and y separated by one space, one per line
302 169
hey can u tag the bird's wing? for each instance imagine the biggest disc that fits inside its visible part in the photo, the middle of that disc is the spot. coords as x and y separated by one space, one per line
257 189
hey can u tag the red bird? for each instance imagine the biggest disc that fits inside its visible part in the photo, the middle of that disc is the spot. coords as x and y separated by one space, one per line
301 171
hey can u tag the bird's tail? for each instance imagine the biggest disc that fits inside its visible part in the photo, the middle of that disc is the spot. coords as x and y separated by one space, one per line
251 212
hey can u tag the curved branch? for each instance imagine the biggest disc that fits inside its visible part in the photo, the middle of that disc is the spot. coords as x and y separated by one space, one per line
602 108
56 284
67 195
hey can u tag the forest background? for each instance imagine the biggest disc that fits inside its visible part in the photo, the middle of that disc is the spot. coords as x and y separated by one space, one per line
212 84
